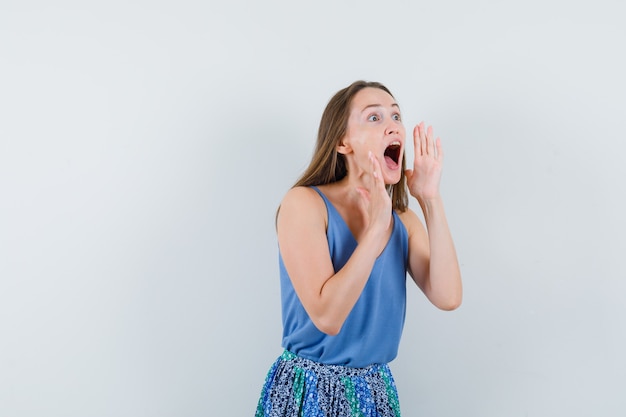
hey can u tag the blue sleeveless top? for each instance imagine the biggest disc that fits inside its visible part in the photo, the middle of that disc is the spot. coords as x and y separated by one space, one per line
372 330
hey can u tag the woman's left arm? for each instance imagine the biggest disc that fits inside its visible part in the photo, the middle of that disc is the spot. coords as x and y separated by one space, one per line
433 262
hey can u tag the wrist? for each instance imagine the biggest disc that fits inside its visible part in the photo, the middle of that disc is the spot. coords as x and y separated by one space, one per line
428 199
430 204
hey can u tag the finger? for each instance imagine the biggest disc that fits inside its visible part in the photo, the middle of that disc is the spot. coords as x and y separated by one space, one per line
375 177
423 138
416 144
439 150
376 169
370 155
430 145
377 186
364 193
418 138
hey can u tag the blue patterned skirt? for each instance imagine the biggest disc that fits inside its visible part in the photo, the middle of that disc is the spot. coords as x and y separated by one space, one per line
298 387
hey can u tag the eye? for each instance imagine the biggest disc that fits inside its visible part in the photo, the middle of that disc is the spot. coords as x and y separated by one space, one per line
397 117
373 118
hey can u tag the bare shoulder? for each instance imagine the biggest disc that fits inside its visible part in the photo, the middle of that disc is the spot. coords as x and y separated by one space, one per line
302 202
302 198
411 222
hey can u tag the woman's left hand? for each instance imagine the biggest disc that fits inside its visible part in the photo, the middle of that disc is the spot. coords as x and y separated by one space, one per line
423 180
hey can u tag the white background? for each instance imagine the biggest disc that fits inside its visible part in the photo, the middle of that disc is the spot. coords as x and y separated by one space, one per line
145 146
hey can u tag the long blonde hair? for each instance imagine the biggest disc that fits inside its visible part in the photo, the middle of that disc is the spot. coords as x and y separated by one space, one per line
328 165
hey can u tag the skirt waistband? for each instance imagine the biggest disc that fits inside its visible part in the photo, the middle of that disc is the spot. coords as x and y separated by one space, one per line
331 370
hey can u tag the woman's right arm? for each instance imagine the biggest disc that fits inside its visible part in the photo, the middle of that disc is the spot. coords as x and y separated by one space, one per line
327 297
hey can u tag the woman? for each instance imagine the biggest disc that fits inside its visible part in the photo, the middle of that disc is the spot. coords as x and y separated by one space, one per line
346 239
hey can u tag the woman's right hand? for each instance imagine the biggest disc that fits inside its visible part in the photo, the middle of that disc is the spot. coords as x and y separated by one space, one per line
375 201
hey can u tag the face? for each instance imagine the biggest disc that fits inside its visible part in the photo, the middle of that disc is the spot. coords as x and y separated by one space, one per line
374 125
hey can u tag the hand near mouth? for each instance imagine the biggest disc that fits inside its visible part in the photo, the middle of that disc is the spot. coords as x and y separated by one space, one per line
376 203
423 180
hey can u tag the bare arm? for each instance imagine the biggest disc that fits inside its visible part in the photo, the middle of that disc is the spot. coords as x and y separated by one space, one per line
433 262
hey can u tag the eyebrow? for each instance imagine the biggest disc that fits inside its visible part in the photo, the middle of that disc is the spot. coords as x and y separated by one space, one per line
379 105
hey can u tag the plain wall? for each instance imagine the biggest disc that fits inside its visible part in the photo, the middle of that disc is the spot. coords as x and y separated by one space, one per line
145 146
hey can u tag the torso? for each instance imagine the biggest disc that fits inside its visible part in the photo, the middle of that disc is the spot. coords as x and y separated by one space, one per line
377 318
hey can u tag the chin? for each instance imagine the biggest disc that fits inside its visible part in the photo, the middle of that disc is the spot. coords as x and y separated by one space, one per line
393 178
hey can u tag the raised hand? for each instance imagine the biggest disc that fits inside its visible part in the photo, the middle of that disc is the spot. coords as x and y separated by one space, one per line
423 180
376 203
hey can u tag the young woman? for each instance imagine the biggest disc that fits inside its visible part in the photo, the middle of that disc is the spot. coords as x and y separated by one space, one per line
346 239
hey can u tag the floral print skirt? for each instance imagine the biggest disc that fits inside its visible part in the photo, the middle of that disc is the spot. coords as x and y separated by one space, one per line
298 387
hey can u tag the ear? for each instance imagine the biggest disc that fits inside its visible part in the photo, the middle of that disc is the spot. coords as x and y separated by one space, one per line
343 147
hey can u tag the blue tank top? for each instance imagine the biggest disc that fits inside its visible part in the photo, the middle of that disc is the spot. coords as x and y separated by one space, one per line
372 330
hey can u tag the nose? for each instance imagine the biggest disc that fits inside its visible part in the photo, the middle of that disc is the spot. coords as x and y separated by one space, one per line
392 127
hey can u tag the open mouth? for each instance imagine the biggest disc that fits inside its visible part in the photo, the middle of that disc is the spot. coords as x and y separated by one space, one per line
392 155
